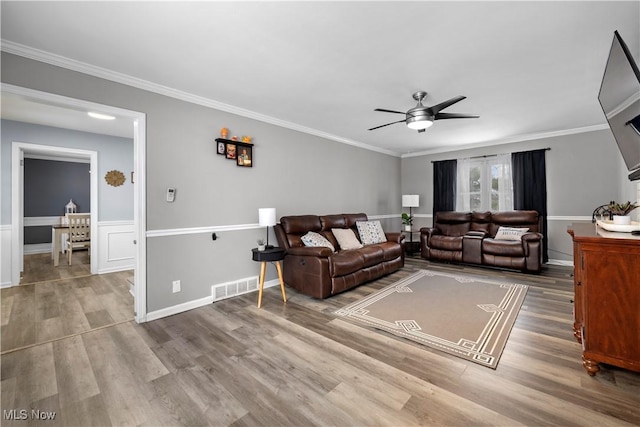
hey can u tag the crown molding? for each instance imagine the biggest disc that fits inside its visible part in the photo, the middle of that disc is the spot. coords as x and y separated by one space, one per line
103 73
510 140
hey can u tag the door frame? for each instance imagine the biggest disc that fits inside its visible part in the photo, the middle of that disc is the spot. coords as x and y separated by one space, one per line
18 152
138 120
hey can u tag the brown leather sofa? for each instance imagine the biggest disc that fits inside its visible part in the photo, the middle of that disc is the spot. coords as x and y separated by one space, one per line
469 237
318 271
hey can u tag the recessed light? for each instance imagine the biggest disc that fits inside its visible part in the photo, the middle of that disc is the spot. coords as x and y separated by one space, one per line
100 116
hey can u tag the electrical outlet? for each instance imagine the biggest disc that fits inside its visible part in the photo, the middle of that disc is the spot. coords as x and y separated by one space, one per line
176 286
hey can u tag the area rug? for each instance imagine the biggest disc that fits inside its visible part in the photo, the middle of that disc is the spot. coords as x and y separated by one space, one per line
466 316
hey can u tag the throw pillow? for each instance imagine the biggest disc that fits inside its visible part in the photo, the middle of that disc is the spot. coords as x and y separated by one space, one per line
346 238
510 233
371 232
314 239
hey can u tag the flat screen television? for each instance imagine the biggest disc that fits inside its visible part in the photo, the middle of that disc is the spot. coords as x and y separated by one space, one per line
619 98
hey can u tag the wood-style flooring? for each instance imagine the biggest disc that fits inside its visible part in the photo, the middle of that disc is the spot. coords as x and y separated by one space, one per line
40 268
53 307
295 363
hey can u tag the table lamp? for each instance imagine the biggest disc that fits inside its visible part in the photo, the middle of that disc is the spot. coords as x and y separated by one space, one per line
267 218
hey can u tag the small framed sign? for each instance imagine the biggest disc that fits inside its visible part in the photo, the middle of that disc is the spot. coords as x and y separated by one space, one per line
244 155
230 150
221 147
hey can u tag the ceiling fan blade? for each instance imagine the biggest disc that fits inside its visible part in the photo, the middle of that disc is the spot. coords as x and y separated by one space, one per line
389 111
438 107
392 123
440 116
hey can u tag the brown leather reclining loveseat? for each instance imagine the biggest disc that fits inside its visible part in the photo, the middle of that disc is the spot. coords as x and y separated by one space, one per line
320 272
471 237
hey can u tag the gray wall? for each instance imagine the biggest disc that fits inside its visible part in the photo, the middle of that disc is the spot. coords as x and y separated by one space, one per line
584 171
294 172
115 203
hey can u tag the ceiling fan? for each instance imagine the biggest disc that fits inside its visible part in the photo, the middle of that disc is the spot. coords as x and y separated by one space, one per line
420 117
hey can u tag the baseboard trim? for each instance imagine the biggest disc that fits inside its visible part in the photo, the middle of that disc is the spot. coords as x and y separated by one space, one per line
37 248
170 311
190 305
561 262
115 269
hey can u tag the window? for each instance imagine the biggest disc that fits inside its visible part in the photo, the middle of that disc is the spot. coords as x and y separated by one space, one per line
484 184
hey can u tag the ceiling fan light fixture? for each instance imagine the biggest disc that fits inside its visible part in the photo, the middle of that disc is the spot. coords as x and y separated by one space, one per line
419 123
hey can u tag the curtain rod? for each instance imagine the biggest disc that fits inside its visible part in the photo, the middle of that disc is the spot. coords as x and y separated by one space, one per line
492 155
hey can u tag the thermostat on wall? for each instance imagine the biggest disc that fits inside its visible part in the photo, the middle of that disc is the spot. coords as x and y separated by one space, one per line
171 194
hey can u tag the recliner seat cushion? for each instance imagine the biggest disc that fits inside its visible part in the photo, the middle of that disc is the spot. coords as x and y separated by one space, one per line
345 262
509 248
390 250
371 255
449 243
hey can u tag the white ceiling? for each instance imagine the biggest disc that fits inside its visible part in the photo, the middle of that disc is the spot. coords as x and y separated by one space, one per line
28 109
527 68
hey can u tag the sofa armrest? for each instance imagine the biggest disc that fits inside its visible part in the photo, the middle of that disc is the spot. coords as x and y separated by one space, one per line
531 237
316 251
395 237
532 246
427 232
425 239
480 234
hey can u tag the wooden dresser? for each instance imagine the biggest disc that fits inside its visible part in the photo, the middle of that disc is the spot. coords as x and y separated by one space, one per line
607 297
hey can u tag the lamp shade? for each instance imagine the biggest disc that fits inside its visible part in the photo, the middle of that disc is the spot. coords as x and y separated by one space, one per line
410 200
267 217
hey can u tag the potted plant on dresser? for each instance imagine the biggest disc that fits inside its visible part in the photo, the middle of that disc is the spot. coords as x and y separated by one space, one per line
620 212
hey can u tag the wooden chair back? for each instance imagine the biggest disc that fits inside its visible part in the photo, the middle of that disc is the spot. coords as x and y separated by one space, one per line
79 227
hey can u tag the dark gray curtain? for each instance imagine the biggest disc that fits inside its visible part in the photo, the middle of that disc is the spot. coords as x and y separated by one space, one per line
444 186
530 187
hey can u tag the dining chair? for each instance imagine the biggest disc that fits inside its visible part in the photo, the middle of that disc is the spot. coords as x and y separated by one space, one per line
79 233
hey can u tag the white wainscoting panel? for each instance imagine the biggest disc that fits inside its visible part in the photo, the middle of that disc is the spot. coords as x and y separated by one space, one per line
116 251
5 256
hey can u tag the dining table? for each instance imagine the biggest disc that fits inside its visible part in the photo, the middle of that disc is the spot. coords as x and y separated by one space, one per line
57 231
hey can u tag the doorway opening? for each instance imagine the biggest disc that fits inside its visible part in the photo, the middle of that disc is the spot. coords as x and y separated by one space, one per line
20 150
137 121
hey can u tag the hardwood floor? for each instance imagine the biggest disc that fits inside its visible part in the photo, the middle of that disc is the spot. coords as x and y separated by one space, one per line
40 268
50 310
295 363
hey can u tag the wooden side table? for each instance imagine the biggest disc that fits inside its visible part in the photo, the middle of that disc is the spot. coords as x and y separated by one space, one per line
274 255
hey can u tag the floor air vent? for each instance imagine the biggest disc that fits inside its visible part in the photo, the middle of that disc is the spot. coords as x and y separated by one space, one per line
237 287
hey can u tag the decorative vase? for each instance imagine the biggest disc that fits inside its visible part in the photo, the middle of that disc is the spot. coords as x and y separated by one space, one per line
261 247
622 219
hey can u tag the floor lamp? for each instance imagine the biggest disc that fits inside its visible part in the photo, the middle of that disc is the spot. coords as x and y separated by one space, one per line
410 201
267 218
